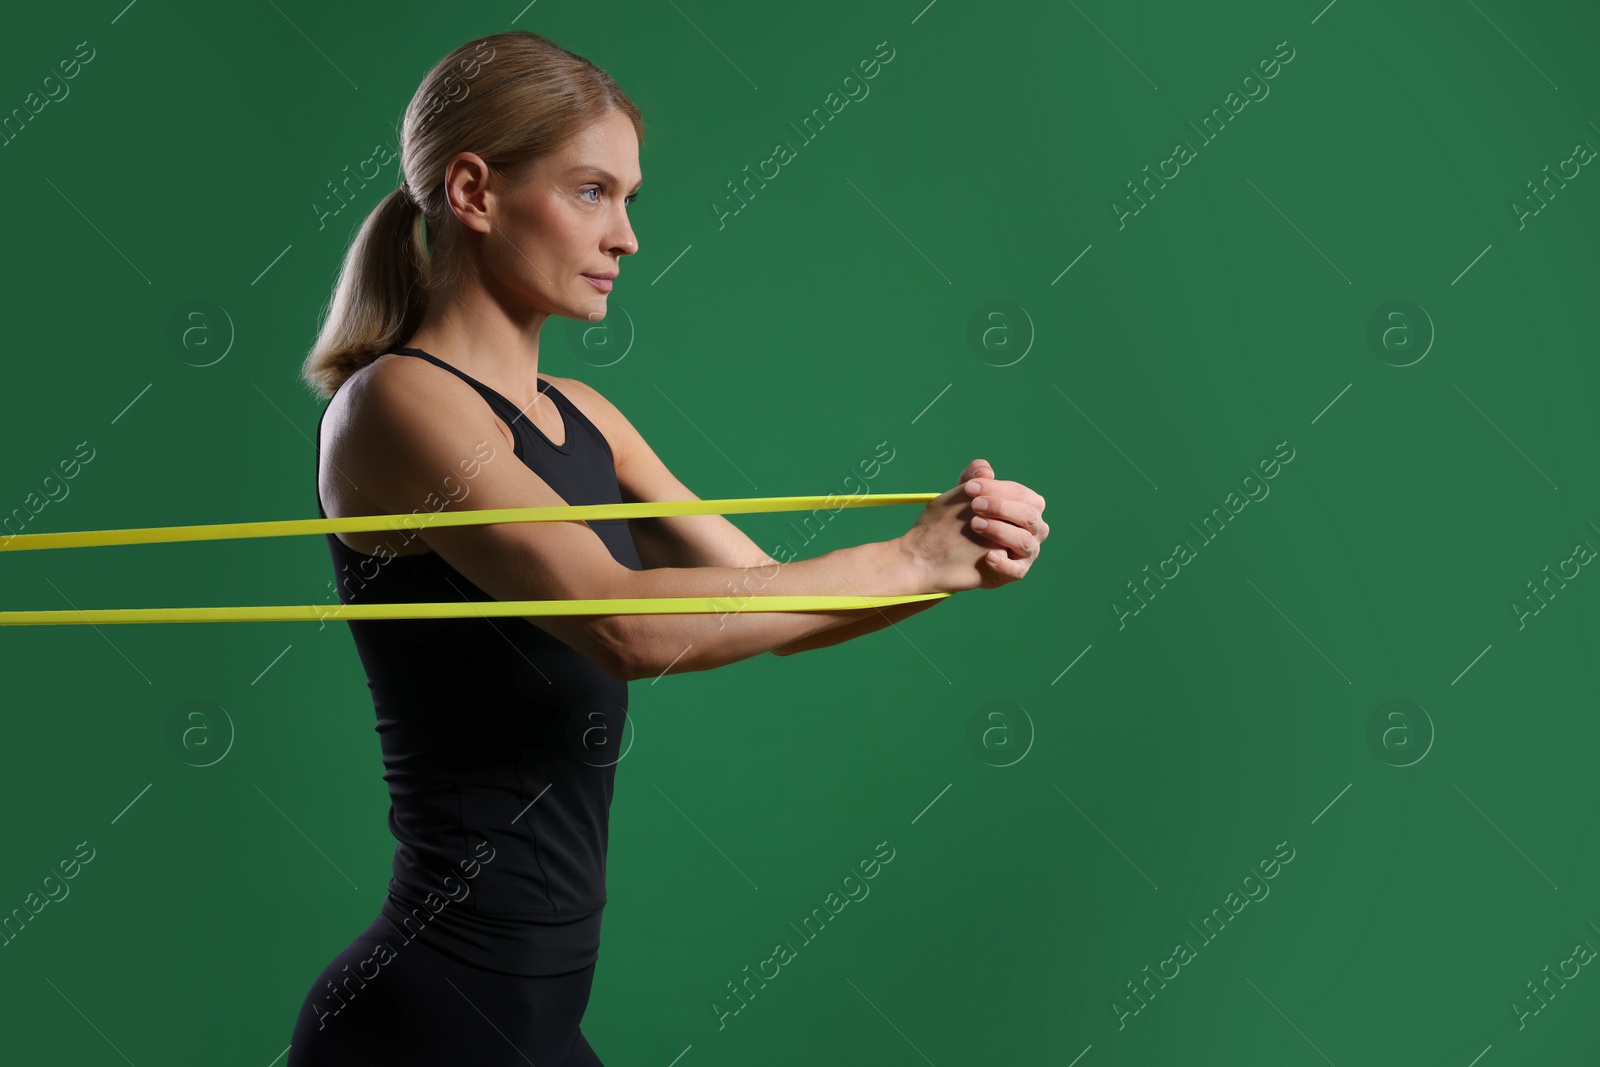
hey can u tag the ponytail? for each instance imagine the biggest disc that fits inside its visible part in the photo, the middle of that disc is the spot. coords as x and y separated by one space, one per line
379 299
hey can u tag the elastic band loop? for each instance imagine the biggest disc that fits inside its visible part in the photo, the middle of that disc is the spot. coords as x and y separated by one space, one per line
467 609
413 521
455 609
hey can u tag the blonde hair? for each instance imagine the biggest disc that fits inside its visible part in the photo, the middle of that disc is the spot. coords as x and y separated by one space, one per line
512 98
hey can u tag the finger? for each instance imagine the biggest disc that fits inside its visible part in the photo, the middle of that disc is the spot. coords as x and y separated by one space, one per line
1018 491
978 468
1015 538
982 486
999 507
1003 564
993 524
1010 490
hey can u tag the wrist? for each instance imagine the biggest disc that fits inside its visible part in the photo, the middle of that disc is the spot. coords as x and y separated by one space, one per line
911 572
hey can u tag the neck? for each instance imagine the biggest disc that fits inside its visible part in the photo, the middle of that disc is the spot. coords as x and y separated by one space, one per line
478 337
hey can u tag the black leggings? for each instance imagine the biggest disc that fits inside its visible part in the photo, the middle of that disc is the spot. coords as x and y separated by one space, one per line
412 1006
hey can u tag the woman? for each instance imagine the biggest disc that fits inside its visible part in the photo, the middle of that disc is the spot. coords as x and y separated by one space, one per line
498 734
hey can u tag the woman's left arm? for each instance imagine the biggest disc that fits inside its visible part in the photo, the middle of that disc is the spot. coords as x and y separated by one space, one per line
879 618
714 541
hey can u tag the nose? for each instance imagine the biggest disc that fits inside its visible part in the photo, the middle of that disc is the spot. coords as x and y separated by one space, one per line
624 243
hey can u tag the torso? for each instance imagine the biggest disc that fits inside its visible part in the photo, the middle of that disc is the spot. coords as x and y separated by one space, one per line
341 500
480 716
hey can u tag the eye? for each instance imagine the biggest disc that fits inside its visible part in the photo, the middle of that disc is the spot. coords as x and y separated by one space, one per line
596 189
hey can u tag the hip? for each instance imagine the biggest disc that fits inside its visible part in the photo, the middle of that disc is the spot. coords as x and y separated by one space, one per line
397 1000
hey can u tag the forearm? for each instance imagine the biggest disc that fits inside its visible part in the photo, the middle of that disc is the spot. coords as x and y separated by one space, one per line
649 645
858 626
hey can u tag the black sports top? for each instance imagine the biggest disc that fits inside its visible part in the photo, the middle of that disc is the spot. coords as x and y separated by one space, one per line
500 741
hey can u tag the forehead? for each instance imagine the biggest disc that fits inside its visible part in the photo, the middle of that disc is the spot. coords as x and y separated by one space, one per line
610 145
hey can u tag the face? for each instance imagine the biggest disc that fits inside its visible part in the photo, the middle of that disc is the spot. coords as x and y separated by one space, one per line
541 242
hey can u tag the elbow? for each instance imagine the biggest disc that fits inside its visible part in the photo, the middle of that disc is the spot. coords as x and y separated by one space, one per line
626 658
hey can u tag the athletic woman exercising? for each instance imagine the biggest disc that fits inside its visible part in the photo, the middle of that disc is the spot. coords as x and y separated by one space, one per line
499 734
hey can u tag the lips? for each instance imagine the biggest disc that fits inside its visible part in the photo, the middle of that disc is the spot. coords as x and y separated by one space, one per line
600 282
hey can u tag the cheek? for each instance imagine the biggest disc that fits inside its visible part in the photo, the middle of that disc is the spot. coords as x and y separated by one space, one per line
573 241
520 255
555 240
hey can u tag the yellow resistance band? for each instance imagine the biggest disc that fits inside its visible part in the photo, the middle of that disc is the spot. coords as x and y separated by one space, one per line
465 609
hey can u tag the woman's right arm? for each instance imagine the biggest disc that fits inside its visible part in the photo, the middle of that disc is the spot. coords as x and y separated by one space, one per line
406 441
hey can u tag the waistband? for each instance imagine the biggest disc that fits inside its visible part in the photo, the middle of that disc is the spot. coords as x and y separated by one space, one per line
507 946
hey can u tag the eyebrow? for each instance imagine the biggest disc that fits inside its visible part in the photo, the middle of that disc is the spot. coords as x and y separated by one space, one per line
601 173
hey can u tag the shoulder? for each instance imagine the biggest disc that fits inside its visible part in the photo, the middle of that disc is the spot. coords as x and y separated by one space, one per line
641 474
391 378
394 388
586 397
395 412
392 371
605 415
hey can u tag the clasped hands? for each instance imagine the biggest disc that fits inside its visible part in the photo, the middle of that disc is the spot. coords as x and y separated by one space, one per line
1009 514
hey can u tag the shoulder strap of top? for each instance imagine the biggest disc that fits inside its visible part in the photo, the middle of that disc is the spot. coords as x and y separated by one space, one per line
496 399
573 417
498 403
576 419
437 362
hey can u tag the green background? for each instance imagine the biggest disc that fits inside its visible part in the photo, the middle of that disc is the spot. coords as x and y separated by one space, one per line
1441 859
